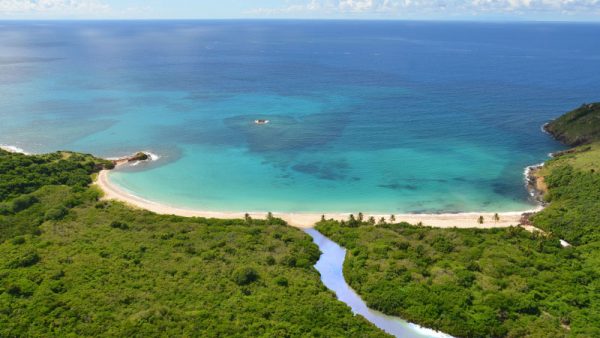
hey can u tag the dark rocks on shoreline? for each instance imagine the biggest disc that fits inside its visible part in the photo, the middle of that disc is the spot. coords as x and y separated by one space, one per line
137 157
570 151
140 156
531 182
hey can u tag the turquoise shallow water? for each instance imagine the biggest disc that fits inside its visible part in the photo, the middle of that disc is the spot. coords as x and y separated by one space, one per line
365 116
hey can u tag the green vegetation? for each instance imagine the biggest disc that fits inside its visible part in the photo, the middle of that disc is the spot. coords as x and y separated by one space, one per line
473 283
495 282
573 180
577 127
584 158
26 199
72 265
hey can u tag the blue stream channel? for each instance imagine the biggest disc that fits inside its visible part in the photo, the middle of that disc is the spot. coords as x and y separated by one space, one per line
330 266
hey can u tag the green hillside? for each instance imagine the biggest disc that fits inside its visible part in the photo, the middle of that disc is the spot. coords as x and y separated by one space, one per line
577 127
71 265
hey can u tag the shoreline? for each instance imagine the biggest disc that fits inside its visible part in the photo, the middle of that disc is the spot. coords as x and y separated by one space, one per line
307 220
535 185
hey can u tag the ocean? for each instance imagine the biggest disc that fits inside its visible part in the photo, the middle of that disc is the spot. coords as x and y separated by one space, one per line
371 116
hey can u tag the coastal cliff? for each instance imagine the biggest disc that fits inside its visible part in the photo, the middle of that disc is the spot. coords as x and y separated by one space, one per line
577 127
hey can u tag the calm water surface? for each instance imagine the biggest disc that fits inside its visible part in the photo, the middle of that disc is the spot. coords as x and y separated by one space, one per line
364 116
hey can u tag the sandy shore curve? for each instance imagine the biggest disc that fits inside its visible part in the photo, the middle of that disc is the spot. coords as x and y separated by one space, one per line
308 220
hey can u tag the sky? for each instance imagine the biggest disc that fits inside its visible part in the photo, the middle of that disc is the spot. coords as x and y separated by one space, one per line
536 10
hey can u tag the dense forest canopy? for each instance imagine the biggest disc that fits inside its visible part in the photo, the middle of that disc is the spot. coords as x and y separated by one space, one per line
474 283
74 265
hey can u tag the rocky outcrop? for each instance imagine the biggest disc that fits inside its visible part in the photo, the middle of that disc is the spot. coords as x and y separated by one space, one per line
577 127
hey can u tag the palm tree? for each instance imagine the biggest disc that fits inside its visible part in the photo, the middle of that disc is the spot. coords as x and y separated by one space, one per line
247 218
361 217
322 218
352 221
372 220
392 219
269 216
496 217
381 221
480 220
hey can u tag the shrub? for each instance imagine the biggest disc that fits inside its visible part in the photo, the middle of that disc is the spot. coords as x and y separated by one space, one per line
465 278
119 225
27 259
281 281
245 276
289 261
18 240
55 214
23 202
21 288
5 209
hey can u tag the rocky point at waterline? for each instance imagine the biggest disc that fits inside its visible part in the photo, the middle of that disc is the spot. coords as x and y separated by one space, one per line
577 127
140 156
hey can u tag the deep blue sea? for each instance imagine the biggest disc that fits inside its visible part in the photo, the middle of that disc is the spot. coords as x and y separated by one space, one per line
364 116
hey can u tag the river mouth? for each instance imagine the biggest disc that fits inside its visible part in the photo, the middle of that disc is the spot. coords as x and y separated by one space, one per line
330 266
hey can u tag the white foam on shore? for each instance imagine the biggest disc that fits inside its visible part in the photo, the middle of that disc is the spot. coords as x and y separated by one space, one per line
528 169
13 149
543 128
527 176
153 156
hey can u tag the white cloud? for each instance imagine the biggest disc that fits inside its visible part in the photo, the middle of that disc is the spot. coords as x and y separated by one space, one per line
357 5
440 7
54 7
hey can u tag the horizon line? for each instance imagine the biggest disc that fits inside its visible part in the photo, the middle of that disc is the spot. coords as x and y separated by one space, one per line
488 20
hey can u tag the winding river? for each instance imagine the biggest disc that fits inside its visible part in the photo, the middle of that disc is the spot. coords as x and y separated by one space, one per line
330 266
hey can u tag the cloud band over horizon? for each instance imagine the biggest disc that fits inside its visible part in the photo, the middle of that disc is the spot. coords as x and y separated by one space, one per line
563 10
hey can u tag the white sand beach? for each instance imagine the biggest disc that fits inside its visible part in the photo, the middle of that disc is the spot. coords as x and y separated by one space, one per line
307 220
302 220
